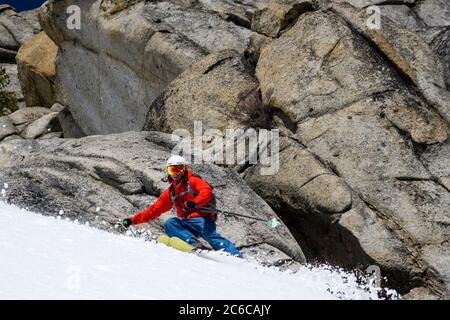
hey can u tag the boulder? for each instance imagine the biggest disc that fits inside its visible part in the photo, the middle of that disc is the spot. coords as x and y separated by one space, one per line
383 169
40 126
36 66
27 115
217 103
103 179
211 90
12 137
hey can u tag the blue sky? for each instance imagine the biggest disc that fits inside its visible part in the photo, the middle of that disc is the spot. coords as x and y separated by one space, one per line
22 5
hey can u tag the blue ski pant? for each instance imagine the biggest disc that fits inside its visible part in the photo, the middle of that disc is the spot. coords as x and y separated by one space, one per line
189 229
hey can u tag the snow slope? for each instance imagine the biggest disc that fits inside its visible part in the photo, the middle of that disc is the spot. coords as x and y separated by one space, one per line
44 257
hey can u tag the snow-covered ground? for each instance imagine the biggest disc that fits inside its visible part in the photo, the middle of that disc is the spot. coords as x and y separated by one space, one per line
43 257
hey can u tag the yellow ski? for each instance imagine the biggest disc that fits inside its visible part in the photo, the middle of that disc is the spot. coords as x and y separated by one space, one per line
183 246
176 243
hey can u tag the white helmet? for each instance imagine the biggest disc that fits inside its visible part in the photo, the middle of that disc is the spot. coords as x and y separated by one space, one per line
176 161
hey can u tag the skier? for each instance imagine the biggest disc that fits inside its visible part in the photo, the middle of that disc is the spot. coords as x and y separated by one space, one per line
194 203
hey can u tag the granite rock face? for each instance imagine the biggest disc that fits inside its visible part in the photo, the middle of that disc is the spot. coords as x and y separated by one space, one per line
363 113
111 70
363 105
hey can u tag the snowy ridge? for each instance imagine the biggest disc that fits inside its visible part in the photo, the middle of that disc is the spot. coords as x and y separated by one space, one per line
50 258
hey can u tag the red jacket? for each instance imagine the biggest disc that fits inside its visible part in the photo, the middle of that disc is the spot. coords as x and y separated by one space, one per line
164 202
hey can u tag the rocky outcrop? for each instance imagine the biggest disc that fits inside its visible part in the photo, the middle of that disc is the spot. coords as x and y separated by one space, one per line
15 30
102 179
352 109
31 123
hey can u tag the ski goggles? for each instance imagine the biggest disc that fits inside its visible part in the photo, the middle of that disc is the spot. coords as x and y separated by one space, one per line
175 169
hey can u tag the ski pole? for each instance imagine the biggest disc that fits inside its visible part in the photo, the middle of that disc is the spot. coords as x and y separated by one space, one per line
131 229
240 215
132 232
273 223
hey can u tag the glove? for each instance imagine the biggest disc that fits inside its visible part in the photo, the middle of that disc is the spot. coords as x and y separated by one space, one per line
126 222
190 206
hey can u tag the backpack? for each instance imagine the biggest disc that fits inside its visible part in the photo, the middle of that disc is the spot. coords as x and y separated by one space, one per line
205 209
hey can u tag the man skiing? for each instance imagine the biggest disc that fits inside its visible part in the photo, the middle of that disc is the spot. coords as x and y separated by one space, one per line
194 203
